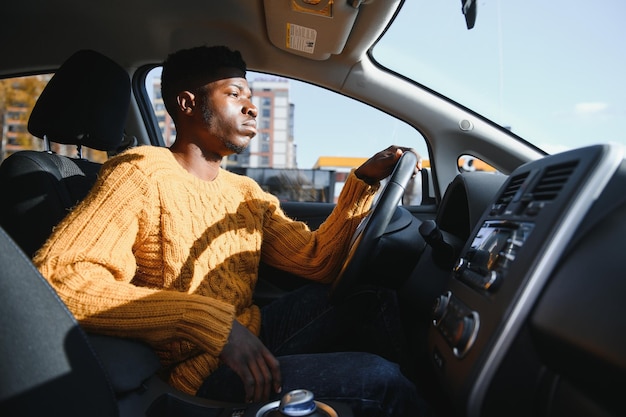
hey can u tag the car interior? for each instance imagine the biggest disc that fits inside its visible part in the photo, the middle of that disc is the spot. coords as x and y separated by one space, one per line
509 282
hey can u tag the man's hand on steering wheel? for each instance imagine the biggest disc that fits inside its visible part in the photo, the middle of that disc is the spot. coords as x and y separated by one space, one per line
381 165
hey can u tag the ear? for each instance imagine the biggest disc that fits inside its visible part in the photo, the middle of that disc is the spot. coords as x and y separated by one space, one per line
186 102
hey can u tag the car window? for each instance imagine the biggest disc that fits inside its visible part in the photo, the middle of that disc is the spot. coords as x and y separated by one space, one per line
470 163
18 96
302 151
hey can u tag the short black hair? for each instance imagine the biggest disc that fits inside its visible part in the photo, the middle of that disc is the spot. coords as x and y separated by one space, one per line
190 69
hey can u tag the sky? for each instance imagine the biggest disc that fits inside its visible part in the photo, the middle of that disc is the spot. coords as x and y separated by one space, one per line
552 70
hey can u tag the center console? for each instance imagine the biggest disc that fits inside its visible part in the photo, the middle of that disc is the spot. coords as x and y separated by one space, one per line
505 265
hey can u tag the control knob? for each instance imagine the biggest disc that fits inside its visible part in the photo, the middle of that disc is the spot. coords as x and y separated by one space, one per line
440 306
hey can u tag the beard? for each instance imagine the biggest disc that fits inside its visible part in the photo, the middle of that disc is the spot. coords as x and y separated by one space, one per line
207 117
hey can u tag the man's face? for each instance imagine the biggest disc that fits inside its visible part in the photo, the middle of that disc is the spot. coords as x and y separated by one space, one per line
228 113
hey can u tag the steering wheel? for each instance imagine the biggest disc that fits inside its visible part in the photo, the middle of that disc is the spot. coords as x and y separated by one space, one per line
373 226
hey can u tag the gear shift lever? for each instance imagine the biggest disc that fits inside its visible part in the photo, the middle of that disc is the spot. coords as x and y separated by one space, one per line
297 403
301 403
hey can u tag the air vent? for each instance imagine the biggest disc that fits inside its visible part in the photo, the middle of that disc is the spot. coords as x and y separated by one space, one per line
552 181
515 183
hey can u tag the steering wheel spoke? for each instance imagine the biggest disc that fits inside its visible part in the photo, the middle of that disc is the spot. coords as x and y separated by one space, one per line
373 226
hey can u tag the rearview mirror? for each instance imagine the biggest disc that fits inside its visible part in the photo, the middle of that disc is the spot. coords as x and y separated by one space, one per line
469 10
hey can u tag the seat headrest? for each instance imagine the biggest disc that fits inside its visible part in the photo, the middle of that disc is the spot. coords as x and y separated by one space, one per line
85 103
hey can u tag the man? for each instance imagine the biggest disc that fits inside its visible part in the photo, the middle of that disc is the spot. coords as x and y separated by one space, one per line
166 249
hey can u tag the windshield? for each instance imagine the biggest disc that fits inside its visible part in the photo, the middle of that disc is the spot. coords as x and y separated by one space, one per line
551 71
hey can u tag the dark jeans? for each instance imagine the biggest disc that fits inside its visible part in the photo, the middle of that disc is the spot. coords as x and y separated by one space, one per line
349 352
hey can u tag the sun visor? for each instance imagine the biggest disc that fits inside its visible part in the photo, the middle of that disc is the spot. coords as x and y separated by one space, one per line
314 29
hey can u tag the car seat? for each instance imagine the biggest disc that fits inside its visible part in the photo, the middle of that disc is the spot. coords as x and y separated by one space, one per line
85 104
47 366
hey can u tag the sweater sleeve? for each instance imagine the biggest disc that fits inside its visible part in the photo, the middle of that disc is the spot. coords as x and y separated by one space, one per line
317 255
89 261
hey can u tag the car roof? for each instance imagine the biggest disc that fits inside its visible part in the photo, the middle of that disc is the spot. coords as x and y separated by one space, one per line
141 32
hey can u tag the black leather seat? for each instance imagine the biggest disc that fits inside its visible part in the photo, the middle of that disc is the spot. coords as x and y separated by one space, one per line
85 104
47 366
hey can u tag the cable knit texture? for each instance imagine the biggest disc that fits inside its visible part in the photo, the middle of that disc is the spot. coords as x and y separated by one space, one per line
158 254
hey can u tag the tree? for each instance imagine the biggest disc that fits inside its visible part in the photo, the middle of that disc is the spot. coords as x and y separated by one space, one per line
17 99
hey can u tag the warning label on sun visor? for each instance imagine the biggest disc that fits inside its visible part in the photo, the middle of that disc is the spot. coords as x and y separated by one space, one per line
301 38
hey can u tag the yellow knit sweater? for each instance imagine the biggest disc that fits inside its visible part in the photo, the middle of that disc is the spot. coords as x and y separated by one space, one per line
157 254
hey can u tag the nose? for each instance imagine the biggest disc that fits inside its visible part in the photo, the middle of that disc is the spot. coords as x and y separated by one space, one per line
250 109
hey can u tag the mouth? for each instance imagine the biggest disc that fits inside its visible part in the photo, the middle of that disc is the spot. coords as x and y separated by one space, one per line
250 126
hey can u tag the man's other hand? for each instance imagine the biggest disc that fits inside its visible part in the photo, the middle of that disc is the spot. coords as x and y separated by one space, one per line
258 369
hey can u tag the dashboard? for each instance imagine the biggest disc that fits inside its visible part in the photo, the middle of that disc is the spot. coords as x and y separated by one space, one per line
522 326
